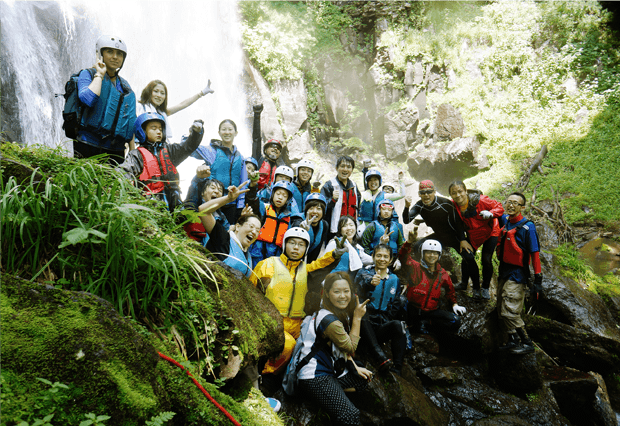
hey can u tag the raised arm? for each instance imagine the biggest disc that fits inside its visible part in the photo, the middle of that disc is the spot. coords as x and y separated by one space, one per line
207 219
187 102
256 136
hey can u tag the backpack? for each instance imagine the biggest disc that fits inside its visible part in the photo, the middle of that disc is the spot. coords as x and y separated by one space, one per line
72 114
289 383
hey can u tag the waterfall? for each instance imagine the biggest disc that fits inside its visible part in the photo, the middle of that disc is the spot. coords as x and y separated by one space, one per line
184 44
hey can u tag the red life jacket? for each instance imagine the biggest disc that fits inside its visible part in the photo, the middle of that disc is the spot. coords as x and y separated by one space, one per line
196 231
273 230
508 251
426 294
151 172
349 202
267 174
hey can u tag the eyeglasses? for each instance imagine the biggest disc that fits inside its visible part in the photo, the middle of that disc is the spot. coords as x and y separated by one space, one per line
387 206
513 203
426 192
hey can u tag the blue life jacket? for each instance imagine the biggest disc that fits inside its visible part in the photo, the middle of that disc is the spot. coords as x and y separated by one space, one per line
264 195
238 259
380 230
368 208
300 195
227 166
113 116
384 292
315 239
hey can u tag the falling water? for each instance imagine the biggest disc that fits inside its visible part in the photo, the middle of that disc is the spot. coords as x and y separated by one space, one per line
182 43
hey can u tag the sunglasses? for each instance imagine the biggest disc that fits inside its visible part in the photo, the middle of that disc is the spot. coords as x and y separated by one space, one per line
426 192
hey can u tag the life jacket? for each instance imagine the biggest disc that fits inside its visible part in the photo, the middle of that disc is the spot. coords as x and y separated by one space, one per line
267 174
113 116
225 168
383 293
238 259
368 207
380 230
347 202
152 173
508 249
196 231
274 228
288 294
426 294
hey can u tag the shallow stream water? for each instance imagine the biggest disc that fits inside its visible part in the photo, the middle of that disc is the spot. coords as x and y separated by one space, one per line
602 255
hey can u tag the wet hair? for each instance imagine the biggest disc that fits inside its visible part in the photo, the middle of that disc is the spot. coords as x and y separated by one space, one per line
245 217
313 203
229 121
147 93
343 221
344 315
344 158
381 246
519 194
456 183
211 182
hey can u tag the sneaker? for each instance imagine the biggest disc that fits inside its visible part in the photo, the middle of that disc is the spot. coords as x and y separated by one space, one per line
274 404
485 293
475 294
513 342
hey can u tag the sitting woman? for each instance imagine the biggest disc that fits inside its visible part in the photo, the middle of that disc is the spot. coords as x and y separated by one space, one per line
331 371
154 98
355 258
480 215
382 288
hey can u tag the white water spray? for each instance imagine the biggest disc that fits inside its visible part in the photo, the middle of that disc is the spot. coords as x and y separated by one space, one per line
182 43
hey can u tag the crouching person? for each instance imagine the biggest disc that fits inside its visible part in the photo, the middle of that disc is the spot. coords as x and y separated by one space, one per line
332 338
425 280
155 162
284 280
382 288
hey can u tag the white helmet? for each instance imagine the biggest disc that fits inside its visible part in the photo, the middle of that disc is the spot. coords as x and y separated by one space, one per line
304 163
391 185
296 232
284 170
431 245
111 42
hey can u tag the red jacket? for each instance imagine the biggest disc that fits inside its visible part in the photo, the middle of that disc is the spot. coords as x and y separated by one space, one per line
478 229
424 287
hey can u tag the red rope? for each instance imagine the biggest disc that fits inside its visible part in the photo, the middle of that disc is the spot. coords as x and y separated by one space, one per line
222 409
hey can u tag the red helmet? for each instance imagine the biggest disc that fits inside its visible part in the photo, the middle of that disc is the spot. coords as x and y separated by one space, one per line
272 142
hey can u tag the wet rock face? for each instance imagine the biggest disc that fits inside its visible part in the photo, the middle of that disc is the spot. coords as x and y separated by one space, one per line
444 163
400 130
449 123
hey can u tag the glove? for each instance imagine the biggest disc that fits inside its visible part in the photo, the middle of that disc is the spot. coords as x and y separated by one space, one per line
536 289
207 89
459 310
258 108
486 215
340 248
197 126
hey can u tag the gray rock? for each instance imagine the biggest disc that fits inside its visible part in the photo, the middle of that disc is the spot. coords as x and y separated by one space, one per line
602 405
299 146
435 81
458 159
293 98
451 78
399 127
418 73
420 103
474 70
409 74
449 123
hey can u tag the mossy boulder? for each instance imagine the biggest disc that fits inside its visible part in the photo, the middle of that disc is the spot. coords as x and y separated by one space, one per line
80 340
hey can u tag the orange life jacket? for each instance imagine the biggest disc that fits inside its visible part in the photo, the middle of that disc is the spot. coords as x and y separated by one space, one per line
151 172
273 230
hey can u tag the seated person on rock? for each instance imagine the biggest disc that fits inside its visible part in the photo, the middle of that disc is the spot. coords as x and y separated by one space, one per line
480 215
277 217
440 214
385 229
355 258
379 325
518 245
284 280
425 280
333 336
374 194
154 162
231 247
315 224
195 230
341 193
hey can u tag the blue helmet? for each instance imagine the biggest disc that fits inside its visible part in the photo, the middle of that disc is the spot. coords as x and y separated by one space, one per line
285 185
371 173
317 196
144 118
253 161
381 203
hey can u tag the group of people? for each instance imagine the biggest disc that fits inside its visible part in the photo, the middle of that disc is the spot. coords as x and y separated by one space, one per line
331 252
